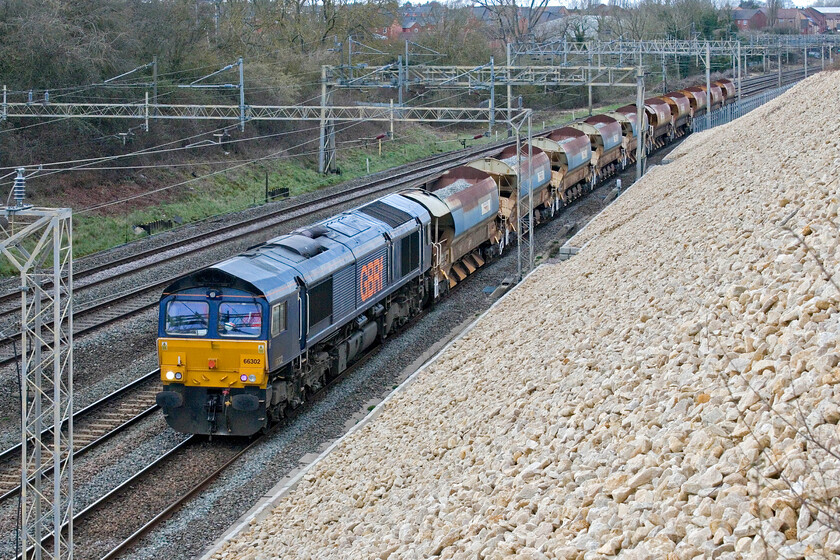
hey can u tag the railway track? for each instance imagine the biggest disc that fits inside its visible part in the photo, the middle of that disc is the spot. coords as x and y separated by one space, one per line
103 522
753 86
93 425
128 503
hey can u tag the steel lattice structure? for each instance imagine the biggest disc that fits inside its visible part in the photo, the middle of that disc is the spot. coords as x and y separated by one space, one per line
756 47
38 243
484 76
140 111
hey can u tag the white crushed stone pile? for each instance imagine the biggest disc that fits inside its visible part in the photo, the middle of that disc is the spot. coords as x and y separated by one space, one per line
670 392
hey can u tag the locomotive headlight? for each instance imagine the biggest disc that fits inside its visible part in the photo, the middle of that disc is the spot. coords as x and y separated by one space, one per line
178 375
170 375
243 377
252 378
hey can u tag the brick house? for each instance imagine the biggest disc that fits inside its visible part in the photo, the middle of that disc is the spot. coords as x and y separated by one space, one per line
827 19
748 20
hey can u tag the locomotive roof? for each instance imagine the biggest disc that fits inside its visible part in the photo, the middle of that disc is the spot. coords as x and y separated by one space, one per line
311 254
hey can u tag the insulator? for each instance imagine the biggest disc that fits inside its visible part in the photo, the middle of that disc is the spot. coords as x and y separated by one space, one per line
19 188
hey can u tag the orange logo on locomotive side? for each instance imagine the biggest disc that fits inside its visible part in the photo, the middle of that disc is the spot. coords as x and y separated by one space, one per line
372 278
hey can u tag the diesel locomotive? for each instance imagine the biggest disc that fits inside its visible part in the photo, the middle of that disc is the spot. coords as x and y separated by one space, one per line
245 340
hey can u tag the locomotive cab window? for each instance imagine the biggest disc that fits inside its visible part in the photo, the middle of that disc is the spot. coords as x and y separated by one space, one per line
188 318
240 319
278 318
410 253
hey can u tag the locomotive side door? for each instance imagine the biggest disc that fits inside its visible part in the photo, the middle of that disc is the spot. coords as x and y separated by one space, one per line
284 321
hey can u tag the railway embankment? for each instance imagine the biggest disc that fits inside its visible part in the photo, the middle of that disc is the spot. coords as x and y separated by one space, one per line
670 391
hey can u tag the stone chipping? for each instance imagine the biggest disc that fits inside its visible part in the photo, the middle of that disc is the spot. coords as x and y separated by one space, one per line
670 392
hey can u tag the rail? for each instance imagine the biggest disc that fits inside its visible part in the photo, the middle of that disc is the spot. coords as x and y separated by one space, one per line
738 109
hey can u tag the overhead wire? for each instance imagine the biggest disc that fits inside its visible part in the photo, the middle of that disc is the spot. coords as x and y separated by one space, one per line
84 164
273 155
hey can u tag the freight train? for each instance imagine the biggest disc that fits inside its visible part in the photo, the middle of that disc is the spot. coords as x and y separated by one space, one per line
245 340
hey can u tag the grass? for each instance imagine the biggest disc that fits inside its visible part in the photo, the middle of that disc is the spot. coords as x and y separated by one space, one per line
225 193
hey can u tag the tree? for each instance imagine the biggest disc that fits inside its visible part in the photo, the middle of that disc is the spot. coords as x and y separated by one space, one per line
516 19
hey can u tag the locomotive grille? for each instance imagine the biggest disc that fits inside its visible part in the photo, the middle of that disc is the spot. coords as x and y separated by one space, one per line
386 213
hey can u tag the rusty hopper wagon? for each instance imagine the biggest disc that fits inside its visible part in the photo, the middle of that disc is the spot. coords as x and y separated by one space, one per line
698 100
536 174
570 153
464 205
680 111
605 137
630 132
728 89
716 95
659 121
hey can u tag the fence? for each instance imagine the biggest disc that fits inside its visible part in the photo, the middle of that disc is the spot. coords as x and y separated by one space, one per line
156 226
737 109
280 192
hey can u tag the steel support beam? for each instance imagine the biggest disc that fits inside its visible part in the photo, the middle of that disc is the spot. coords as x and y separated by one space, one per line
708 61
38 244
641 129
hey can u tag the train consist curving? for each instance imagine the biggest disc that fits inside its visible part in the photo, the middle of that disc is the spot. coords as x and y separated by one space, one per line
243 341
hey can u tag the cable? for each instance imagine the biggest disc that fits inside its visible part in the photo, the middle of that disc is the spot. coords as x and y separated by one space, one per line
85 167
211 174
153 149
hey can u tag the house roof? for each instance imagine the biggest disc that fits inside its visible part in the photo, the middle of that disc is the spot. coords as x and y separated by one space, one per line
826 10
787 13
744 14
